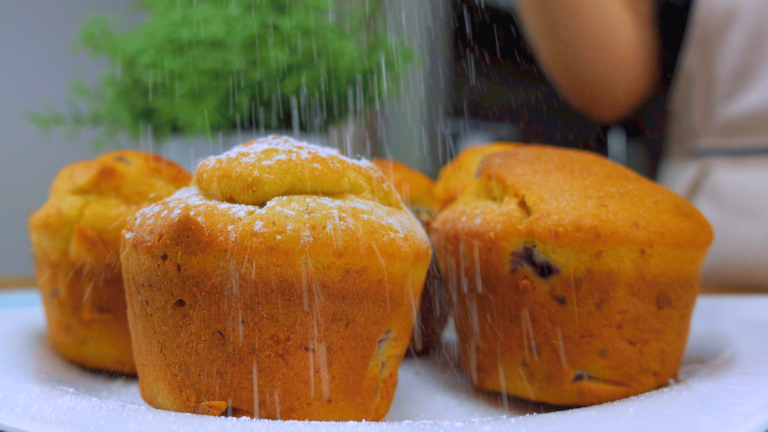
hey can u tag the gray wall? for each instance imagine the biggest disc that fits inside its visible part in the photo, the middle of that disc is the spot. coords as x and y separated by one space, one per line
36 67
414 123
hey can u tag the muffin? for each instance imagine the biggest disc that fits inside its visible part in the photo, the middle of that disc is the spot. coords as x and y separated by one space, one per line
459 173
572 278
282 284
416 189
75 239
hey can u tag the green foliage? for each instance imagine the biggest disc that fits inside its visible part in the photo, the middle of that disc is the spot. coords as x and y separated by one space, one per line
194 67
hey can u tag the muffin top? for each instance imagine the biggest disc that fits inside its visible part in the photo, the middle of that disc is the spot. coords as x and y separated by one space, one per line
90 202
575 196
260 170
279 193
415 188
459 173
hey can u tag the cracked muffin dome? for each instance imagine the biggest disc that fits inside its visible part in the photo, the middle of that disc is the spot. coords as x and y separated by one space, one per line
75 240
573 279
282 284
458 174
416 190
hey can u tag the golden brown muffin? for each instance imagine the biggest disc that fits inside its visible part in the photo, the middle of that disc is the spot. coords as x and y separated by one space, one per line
572 278
281 285
75 242
416 189
458 174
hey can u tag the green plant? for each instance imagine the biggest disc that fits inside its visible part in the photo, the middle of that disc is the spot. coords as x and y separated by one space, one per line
194 67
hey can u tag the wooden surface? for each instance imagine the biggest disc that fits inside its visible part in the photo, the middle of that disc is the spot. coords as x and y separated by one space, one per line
12 281
733 290
28 281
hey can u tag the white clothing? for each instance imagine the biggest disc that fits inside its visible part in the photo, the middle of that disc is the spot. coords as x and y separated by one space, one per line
717 137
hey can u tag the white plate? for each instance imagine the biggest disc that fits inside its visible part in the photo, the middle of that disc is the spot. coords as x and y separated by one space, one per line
723 386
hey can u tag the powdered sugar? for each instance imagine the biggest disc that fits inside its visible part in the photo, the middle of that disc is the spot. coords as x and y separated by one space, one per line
290 150
343 214
191 199
43 392
346 210
306 237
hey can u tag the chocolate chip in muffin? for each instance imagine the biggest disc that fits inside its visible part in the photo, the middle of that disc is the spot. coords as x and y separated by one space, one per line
528 257
580 376
559 299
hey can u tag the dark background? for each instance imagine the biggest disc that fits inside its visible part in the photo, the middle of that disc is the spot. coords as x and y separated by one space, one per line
497 81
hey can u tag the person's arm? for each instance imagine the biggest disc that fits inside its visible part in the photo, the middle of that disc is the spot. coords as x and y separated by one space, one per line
601 55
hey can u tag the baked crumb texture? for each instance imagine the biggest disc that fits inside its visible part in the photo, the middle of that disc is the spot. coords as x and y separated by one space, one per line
417 192
282 284
459 173
75 240
572 278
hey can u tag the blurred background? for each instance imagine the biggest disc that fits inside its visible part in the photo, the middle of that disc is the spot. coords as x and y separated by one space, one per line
37 70
462 70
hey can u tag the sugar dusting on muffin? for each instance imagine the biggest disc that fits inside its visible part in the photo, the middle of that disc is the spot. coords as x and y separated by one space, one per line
308 258
260 170
358 187
279 148
192 201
